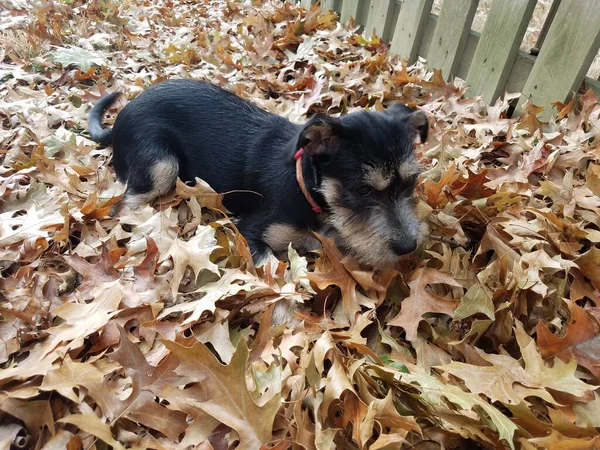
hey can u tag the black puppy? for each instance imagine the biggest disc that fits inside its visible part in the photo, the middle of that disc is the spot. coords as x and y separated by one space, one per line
352 177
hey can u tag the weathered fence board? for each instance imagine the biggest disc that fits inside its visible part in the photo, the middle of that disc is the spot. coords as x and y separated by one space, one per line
568 51
410 26
520 70
380 17
498 47
490 62
349 9
451 35
544 31
327 4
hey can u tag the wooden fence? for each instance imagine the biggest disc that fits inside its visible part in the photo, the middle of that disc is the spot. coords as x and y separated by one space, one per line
490 62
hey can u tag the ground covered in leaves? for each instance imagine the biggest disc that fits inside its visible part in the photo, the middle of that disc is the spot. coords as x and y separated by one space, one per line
152 330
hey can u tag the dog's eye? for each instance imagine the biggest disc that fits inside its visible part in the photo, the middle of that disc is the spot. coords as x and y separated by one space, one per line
364 190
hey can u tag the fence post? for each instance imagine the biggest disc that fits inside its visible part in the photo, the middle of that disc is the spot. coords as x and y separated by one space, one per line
410 27
498 47
380 12
327 4
549 18
349 9
568 51
450 36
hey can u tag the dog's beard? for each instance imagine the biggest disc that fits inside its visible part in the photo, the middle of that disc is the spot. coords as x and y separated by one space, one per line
364 239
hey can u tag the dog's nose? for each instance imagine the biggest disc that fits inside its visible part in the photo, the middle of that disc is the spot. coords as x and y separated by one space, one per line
405 246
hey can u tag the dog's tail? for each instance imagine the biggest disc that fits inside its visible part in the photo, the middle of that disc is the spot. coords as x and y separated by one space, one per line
101 135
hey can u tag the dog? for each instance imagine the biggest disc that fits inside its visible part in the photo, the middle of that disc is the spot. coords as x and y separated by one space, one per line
352 177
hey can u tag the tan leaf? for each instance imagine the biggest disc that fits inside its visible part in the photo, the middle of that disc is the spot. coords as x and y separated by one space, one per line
223 392
581 340
194 253
589 263
90 423
561 377
71 375
422 300
82 319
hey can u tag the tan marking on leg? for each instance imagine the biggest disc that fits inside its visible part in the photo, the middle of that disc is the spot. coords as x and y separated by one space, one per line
378 177
164 174
278 236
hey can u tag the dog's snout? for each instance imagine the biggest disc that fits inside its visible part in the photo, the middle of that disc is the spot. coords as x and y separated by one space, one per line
405 246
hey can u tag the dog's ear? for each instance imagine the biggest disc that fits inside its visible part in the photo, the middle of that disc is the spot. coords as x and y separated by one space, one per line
418 123
318 135
399 110
415 119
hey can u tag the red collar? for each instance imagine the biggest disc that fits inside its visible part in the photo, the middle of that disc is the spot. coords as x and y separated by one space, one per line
298 158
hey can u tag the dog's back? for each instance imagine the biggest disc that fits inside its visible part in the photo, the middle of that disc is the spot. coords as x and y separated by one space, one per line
192 129
207 122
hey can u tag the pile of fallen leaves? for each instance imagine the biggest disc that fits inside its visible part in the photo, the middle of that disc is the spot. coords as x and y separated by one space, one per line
151 330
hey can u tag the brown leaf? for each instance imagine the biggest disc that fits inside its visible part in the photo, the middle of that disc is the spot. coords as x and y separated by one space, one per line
222 392
331 269
589 263
556 441
422 300
90 423
194 253
81 320
581 340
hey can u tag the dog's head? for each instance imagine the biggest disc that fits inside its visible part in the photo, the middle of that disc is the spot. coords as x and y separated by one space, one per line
368 172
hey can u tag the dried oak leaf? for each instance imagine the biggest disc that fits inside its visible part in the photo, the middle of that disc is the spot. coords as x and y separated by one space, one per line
83 319
94 274
528 119
205 195
582 340
90 423
221 392
422 300
557 441
89 375
76 56
330 269
561 377
477 300
36 224
140 406
589 263
439 87
36 415
433 191
592 178
504 379
194 253
232 282
39 360
438 394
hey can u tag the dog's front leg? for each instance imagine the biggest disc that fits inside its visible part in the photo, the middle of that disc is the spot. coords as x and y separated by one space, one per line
253 233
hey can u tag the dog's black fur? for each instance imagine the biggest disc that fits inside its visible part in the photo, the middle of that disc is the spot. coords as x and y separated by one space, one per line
359 168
